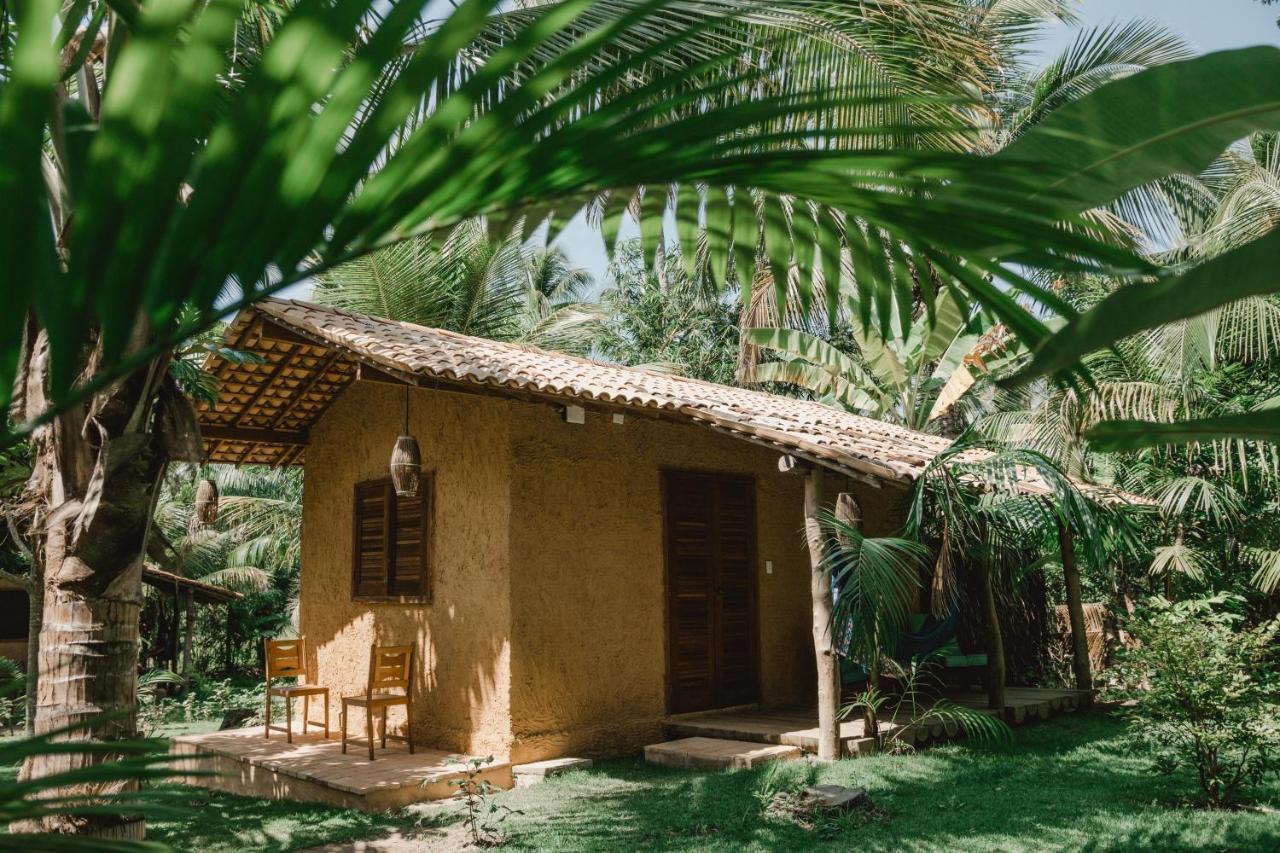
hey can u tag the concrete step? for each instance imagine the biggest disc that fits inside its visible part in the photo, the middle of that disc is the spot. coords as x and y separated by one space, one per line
716 753
540 771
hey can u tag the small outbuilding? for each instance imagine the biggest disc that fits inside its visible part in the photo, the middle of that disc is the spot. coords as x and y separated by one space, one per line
591 548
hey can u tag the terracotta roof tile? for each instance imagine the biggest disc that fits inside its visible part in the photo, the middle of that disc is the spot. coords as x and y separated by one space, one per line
810 429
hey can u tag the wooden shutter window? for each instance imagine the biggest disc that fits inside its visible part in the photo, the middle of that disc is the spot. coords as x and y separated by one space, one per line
392 543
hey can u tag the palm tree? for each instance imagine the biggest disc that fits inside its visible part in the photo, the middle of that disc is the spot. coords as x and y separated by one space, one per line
1214 364
973 506
505 291
1225 219
670 323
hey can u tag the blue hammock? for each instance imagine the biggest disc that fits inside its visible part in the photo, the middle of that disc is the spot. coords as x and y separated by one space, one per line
926 635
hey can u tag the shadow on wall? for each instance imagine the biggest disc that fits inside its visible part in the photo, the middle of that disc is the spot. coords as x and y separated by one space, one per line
462 635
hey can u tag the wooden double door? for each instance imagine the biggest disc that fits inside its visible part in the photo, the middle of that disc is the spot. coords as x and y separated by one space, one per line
711 590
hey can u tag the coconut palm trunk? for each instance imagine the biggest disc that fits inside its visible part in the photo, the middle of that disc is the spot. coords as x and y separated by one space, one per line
97 469
1075 610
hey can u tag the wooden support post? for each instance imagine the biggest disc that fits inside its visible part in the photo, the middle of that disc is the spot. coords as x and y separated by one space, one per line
175 628
849 513
187 632
1075 610
823 641
995 641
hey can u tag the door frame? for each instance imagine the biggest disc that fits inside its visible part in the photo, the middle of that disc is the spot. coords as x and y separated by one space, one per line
750 478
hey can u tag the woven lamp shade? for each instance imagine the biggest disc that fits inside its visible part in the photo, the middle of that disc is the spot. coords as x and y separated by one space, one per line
207 502
406 466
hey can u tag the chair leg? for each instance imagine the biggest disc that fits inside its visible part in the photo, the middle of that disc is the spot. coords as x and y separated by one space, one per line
326 715
384 726
368 727
266 731
288 718
408 724
306 712
344 728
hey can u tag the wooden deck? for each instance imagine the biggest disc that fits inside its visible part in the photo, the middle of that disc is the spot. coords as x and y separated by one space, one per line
315 770
798 726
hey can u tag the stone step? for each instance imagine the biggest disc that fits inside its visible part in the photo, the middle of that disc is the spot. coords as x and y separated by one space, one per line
540 771
715 753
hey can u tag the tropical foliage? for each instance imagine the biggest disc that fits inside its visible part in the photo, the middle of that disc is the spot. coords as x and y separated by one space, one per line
254 548
27 804
1207 694
507 290
667 322
913 377
893 167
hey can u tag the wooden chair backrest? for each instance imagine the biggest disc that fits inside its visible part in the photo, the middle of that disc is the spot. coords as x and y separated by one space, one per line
286 658
390 667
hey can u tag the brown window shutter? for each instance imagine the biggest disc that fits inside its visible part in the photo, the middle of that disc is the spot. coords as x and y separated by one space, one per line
392 543
373 510
410 547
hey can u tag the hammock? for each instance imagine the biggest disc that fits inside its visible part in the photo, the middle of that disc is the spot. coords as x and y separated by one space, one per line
926 635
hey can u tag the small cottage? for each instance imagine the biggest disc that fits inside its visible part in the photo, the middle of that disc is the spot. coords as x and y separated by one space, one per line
591 548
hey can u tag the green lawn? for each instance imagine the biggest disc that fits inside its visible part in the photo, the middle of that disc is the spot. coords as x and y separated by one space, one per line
1063 785
221 823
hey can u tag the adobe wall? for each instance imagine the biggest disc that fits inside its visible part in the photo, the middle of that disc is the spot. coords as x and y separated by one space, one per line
588 572
546 635
462 636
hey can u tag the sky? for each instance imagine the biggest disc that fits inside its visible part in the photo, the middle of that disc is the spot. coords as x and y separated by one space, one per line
1208 24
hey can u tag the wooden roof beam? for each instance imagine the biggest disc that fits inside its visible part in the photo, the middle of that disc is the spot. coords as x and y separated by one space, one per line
214 432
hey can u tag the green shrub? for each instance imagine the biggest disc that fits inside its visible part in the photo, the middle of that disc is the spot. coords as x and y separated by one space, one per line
13 694
1207 693
205 699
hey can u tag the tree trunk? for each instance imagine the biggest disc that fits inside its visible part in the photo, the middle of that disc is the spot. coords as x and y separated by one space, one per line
175 654
35 622
823 641
1075 610
995 641
97 468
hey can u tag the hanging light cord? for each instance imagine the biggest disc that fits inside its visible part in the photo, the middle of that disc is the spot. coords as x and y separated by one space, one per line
406 409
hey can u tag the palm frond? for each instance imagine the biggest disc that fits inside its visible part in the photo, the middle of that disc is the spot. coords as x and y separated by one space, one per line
1178 559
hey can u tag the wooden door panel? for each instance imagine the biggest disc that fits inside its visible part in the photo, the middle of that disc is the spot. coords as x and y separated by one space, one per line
711 611
736 611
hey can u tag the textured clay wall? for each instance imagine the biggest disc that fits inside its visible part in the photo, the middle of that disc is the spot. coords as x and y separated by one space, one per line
588 661
546 635
462 636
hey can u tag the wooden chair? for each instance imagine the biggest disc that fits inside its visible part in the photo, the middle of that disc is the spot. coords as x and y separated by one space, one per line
390 668
288 659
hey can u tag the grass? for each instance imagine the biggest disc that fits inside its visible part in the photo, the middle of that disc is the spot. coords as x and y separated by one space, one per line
1062 785
222 823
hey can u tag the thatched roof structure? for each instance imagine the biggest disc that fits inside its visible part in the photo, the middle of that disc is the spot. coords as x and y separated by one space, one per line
310 353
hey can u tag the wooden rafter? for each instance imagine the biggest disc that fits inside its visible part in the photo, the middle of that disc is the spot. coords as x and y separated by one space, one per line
285 361
303 389
213 432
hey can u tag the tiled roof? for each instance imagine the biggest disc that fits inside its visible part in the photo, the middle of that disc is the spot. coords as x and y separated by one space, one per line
854 444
